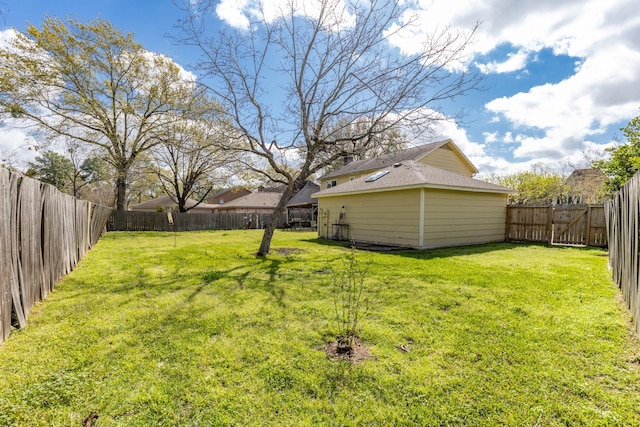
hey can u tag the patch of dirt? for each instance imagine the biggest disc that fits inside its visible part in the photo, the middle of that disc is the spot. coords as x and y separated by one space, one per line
287 251
359 353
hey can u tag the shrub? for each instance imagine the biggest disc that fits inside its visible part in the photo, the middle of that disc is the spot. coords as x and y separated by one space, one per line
349 300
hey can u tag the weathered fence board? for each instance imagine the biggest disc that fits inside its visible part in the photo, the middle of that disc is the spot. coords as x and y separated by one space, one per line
597 230
623 234
529 223
159 221
5 255
568 225
43 235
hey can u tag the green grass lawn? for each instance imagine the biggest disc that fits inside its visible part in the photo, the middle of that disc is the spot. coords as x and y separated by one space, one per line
145 333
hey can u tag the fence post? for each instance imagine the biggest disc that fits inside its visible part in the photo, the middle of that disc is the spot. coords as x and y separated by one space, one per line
507 230
550 224
587 236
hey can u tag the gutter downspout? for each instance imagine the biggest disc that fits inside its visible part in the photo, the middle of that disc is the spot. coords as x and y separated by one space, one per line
421 224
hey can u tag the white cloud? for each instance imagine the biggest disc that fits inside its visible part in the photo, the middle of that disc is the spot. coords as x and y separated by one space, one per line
601 93
17 148
508 138
449 129
238 13
490 137
515 62
233 13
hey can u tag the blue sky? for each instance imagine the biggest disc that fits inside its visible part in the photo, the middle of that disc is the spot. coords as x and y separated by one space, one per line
562 76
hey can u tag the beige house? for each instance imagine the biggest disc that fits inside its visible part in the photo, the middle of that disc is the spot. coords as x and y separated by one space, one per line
254 206
423 197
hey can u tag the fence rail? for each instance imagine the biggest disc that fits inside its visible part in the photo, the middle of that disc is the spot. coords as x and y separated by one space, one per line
159 221
623 229
43 235
568 225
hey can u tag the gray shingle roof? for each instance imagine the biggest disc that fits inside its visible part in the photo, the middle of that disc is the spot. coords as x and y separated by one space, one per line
258 200
303 197
385 160
411 174
159 202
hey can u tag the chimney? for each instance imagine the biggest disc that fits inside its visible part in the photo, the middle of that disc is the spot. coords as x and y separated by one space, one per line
346 157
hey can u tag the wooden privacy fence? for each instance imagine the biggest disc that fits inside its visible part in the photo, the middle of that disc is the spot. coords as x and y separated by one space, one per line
43 235
565 225
159 221
623 228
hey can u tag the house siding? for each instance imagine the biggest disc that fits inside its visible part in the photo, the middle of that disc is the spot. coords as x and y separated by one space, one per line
445 158
454 218
344 178
384 218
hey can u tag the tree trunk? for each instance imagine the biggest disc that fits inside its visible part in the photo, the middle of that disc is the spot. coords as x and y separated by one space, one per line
121 192
269 229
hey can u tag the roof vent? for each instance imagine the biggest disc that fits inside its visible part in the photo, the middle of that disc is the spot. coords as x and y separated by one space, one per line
376 176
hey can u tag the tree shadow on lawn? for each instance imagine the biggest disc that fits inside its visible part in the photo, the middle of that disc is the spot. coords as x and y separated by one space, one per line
243 277
140 284
276 291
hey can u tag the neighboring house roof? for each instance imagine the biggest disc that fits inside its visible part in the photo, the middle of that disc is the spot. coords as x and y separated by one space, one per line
228 194
303 197
410 174
278 189
203 206
585 185
258 200
388 160
583 177
167 201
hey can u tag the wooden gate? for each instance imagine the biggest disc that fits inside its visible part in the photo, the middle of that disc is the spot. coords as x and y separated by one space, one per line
562 225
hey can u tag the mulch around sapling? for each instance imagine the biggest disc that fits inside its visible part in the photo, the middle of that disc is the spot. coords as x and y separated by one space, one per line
359 353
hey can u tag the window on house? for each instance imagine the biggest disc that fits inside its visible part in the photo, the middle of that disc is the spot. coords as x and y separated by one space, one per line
331 184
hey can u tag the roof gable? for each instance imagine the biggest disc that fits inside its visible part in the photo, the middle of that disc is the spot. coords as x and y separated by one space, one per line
227 195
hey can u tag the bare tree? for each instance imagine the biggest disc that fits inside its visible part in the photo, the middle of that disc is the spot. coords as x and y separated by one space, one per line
91 83
188 159
292 83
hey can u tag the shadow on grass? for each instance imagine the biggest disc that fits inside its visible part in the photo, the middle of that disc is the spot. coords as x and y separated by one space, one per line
454 251
276 291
